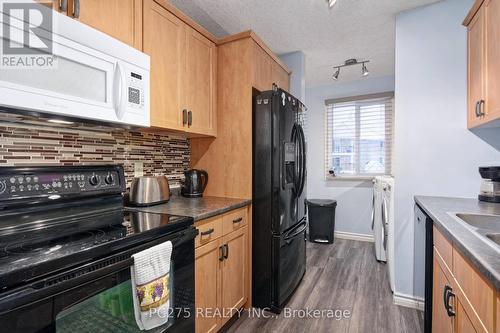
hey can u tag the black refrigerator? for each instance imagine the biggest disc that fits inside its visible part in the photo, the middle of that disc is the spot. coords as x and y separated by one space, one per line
279 212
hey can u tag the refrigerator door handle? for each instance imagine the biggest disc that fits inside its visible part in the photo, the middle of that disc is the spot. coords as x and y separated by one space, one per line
301 227
297 172
302 157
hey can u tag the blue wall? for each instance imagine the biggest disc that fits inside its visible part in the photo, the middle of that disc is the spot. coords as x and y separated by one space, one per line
354 197
435 153
296 62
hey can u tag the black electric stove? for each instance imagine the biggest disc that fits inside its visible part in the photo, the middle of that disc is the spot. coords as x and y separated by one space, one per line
60 224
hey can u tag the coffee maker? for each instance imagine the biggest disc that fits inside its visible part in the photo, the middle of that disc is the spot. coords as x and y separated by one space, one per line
490 187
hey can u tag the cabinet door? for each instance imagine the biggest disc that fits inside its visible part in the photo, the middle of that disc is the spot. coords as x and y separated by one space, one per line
464 324
475 69
207 286
280 76
262 69
121 19
164 41
492 70
60 6
234 272
441 322
200 83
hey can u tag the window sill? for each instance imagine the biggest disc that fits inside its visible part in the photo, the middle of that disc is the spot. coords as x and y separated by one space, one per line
353 178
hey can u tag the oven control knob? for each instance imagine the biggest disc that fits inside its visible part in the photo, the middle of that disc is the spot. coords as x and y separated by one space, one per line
94 180
3 186
109 179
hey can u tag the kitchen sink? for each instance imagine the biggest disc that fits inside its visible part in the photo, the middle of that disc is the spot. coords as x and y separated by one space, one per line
494 237
485 226
487 222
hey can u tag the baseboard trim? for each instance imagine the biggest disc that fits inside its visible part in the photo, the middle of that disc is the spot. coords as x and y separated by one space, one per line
353 236
408 301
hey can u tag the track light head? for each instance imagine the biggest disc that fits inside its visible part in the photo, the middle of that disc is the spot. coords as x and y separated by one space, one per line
331 3
336 74
364 70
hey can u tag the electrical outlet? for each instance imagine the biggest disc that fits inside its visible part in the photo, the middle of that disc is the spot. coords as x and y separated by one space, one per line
138 169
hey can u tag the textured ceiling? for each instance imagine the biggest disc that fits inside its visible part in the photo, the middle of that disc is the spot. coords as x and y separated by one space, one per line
362 29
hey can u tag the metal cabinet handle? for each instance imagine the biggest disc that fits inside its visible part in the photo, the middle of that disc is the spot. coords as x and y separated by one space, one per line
190 118
63 5
476 109
207 232
184 117
221 253
481 112
447 294
76 8
238 220
226 251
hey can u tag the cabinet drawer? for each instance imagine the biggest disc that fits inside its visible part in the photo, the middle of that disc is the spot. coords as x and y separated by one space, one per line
234 220
476 289
209 230
444 248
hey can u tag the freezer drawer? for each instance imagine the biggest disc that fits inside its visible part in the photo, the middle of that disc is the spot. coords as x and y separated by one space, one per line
292 264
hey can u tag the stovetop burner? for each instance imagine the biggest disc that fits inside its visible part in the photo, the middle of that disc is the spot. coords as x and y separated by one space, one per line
45 246
52 247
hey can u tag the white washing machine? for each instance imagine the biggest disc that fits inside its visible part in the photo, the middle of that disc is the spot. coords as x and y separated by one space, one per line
383 222
377 224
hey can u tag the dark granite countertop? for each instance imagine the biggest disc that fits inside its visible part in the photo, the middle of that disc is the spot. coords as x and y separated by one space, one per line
197 208
485 257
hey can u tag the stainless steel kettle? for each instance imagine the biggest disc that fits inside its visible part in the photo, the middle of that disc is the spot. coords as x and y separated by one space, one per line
149 190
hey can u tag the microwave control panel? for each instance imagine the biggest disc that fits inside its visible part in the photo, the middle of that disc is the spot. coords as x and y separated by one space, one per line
135 96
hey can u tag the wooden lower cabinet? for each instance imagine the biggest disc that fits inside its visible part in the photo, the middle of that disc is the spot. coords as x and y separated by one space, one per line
234 272
464 324
441 322
221 270
463 300
208 286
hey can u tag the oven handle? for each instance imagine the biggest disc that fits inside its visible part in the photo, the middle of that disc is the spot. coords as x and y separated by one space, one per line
39 290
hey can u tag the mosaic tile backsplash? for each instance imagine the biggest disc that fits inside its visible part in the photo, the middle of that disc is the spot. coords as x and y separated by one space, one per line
47 145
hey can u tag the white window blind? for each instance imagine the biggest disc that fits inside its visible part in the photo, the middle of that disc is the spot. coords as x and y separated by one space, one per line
359 136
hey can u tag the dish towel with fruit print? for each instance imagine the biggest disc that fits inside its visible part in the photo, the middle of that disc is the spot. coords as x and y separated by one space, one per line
150 284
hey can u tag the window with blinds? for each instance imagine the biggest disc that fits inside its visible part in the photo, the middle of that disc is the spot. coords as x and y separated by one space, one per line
359 136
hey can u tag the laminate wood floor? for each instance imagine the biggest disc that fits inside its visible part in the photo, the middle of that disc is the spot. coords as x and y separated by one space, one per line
342 276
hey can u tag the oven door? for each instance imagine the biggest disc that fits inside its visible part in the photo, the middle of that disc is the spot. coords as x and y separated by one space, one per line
97 297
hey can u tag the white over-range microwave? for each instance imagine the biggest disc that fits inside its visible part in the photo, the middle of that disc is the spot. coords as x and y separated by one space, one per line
52 64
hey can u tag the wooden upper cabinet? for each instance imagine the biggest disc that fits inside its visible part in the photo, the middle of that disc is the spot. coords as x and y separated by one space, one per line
483 63
164 41
492 69
57 5
475 51
121 19
183 73
261 68
280 76
266 70
200 83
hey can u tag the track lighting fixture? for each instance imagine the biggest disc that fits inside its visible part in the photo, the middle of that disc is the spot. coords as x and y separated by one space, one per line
352 62
331 3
